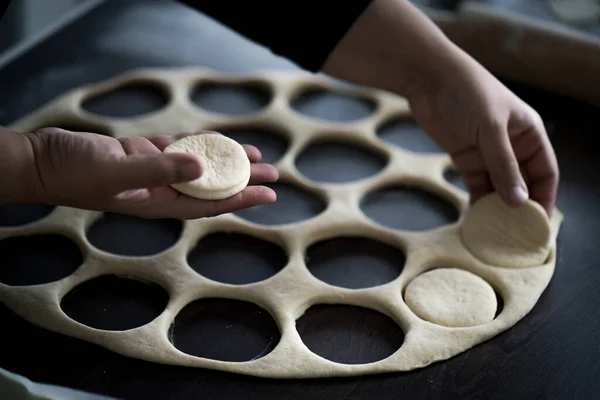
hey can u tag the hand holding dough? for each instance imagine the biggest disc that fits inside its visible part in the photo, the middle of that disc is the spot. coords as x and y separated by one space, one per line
226 167
505 236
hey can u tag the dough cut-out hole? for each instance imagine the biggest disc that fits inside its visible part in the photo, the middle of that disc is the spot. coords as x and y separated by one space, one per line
451 297
499 304
328 105
406 133
354 262
272 145
408 208
235 99
224 330
22 214
349 334
453 176
236 258
128 100
115 303
38 259
293 205
130 236
334 162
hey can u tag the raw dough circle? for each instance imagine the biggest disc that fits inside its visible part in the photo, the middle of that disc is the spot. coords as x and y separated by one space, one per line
225 164
451 297
505 236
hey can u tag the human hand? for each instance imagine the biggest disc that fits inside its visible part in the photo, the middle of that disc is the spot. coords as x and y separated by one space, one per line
132 175
497 141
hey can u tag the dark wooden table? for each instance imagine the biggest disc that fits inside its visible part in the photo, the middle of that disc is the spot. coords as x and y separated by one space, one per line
553 353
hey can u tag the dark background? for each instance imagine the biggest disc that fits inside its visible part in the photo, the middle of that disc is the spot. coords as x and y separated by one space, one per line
552 353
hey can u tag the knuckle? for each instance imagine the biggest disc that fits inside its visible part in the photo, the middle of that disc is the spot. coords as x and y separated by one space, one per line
536 118
496 126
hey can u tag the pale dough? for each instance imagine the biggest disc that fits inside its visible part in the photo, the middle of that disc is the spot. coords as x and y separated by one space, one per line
505 236
451 297
226 167
577 11
436 302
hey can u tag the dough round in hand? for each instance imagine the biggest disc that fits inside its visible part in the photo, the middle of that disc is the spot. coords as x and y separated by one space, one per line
505 236
451 297
226 167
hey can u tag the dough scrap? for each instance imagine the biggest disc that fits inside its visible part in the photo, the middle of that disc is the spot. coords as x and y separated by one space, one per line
226 167
505 236
451 297
287 294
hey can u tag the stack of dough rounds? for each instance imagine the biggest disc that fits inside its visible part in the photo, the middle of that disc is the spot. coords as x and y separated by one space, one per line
226 167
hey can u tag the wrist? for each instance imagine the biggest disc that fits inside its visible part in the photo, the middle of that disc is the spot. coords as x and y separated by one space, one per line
19 178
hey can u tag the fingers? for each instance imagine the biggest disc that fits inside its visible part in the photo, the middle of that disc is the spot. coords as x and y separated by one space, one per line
138 145
189 208
478 184
502 164
540 166
254 154
152 170
473 173
262 173
147 167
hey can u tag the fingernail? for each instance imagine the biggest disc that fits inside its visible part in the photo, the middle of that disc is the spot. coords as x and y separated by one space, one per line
518 194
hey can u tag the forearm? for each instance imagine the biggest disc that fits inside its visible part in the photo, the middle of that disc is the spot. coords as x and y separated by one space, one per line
17 168
394 46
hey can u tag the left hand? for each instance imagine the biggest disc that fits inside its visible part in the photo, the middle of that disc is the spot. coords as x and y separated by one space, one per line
132 175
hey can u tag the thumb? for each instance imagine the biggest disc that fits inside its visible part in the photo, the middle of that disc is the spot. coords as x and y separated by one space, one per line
503 166
154 170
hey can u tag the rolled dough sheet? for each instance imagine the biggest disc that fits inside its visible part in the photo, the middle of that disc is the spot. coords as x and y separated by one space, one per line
446 311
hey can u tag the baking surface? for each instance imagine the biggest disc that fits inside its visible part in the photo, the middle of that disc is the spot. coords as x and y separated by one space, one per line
558 339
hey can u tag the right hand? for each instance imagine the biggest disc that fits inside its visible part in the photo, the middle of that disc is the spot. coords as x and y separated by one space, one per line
498 143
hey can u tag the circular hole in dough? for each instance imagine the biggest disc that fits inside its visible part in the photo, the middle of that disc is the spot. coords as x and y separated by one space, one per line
114 303
131 99
235 99
332 106
38 259
23 214
272 144
408 208
236 259
354 262
336 162
451 297
293 205
225 330
505 236
406 133
226 167
131 236
349 334
453 176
